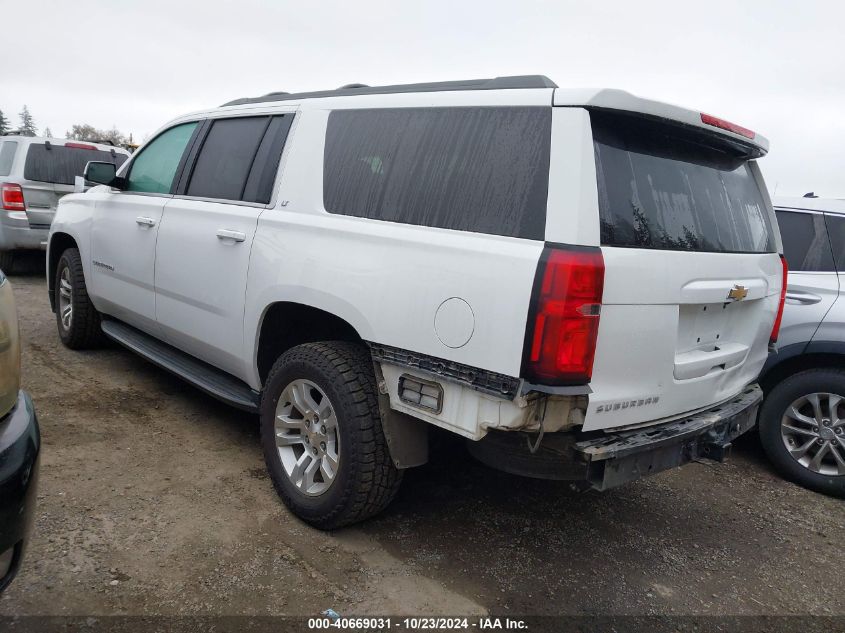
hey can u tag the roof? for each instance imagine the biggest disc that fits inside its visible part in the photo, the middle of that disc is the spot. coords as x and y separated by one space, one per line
532 89
831 205
101 145
498 83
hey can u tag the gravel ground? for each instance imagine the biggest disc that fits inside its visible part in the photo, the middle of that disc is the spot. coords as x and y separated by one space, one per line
154 500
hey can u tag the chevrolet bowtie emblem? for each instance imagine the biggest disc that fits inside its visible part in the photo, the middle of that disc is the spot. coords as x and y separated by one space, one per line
738 293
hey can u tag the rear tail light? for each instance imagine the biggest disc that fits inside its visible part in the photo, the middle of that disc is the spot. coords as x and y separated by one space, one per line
727 125
563 321
776 327
12 197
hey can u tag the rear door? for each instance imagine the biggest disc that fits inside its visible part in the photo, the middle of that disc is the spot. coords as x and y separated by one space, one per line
813 283
203 250
692 276
49 172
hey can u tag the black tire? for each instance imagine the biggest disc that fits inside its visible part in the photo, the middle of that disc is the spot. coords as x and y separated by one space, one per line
777 400
366 479
7 261
84 330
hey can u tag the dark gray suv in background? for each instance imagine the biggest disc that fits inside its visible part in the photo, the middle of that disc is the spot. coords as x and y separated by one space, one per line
802 420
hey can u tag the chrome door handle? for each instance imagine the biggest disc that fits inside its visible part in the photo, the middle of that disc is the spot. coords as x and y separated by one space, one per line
144 221
235 236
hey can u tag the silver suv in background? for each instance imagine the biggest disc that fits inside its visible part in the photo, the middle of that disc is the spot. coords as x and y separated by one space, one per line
802 420
35 172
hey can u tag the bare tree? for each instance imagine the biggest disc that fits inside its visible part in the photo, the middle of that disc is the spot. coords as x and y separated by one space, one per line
47 132
86 132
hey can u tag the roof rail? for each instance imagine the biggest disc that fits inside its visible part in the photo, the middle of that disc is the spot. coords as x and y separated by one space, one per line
499 83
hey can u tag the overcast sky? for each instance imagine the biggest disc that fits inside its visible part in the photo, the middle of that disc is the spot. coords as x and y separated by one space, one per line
777 67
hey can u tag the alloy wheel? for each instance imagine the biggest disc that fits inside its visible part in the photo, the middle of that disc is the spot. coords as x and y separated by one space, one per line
307 437
65 298
814 433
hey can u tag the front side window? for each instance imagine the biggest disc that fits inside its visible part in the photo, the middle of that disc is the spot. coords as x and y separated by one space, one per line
154 168
479 169
7 155
806 246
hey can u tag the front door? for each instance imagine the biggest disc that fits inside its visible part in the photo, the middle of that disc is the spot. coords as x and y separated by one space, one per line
125 228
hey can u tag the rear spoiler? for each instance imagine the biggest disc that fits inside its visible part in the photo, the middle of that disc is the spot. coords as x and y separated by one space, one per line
756 144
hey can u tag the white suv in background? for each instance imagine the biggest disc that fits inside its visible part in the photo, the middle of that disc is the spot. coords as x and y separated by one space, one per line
35 172
584 284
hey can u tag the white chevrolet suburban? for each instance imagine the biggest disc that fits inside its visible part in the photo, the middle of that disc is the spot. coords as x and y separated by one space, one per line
584 284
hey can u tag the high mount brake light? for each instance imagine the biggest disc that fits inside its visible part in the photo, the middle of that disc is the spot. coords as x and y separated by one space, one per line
727 125
80 146
12 196
563 321
773 338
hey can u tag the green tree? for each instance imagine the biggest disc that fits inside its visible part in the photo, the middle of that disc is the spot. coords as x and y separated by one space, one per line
4 124
27 123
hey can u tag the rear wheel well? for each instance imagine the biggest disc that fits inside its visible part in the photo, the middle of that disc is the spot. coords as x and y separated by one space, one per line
799 363
59 243
288 324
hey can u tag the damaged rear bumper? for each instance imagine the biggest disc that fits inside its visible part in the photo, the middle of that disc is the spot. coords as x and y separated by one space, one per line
618 458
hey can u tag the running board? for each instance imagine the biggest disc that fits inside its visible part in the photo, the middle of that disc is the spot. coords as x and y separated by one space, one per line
204 377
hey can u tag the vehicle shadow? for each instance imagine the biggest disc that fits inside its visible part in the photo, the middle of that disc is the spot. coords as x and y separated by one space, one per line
28 264
694 539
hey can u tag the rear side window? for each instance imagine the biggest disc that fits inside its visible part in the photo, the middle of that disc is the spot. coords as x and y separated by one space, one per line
476 169
7 155
836 230
805 242
663 188
46 162
239 159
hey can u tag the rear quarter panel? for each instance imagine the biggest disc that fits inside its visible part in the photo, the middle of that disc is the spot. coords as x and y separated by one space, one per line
386 279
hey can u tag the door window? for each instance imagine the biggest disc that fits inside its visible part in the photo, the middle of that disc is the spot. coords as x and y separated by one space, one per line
805 242
155 167
836 229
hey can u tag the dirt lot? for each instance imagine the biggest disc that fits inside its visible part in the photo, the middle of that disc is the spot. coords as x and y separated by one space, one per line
153 500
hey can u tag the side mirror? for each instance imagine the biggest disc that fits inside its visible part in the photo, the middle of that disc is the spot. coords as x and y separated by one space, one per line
101 173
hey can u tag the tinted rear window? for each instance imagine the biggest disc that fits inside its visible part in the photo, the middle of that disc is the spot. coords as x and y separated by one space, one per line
662 188
7 155
59 164
474 169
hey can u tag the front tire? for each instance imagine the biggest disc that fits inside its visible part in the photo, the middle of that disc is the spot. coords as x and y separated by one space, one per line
322 438
76 317
802 429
